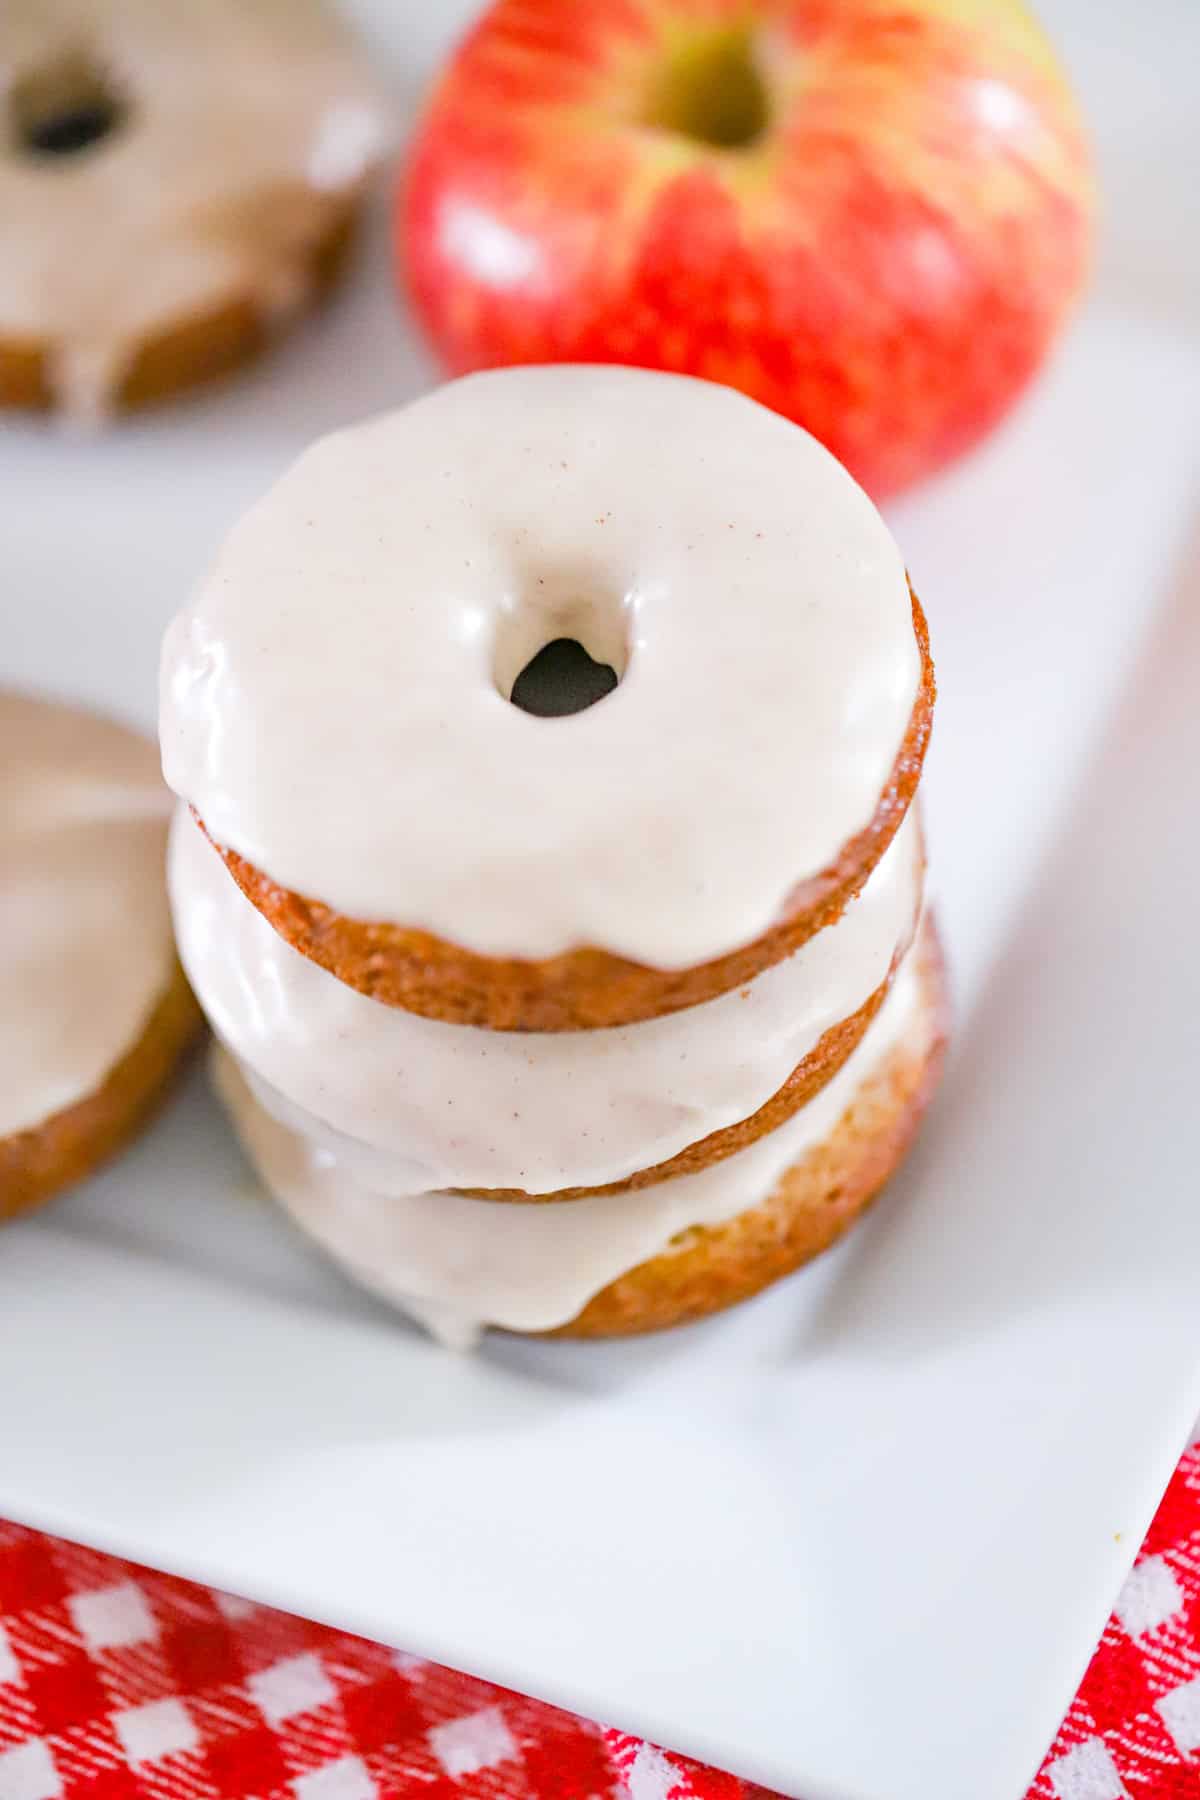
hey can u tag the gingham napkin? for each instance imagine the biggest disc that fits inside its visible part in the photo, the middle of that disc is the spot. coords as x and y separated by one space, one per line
117 1683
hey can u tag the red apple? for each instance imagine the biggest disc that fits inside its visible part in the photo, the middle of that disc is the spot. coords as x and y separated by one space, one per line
872 215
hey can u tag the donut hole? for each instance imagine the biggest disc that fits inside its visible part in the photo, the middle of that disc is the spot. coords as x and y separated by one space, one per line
710 88
561 639
562 679
64 108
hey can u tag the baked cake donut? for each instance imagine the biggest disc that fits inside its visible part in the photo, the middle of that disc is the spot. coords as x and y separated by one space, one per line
617 1265
177 177
414 1102
697 825
679 1009
96 1009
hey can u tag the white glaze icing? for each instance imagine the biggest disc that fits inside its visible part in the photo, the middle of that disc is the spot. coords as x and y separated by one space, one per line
457 1264
408 1102
245 126
348 646
85 936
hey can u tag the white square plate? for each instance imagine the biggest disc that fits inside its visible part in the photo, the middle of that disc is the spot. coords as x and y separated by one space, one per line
856 1539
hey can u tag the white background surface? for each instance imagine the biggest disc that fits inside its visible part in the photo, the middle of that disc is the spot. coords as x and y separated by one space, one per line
856 1539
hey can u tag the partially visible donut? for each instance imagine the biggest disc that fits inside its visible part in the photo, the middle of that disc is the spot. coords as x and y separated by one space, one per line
60 1150
95 1013
405 1102
176 180
432 845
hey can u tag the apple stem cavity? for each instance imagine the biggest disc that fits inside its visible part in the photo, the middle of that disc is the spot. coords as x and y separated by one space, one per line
711 90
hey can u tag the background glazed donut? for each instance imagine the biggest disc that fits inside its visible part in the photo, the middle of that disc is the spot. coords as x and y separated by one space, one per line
39 1162
177 177
87 961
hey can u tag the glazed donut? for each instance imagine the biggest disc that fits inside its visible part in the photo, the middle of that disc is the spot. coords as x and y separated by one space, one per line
177 177
95 1007
432 844
410 1104
621 1264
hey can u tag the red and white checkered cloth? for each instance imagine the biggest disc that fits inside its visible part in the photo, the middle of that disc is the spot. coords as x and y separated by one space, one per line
117 1683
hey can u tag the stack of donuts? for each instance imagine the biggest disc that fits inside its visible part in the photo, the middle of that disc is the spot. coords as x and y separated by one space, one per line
589 1023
